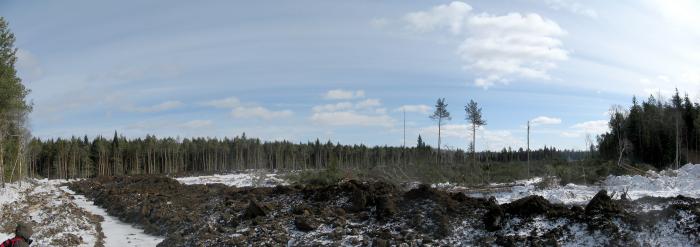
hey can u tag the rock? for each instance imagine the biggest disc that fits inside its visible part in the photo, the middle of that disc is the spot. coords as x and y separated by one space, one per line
255 209
305 224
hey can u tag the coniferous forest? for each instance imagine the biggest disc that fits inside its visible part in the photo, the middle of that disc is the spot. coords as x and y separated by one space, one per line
82 157
655 131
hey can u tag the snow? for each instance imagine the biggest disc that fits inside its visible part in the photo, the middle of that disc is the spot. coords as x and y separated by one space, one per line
684 181
59 217
117 233
248 179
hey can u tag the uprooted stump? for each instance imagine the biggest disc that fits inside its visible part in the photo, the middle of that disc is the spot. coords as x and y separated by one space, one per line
603 204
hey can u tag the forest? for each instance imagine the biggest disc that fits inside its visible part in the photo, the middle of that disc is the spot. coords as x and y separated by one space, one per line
82 157
658 132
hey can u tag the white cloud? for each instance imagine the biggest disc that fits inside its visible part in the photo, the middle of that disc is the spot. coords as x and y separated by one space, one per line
415 108
498 48
197 124
368 103
28 65
349 118
595 127
259 112
544 120
346 106
573 7
340 106
229 102
343 94
165 106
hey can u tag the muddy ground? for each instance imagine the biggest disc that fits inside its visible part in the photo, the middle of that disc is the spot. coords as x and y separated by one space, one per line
379 214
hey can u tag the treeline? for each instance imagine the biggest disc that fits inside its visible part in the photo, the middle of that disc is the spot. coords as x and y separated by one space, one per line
81 157
657 132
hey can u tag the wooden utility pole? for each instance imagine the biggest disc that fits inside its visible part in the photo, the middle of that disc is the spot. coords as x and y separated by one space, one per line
528 149
403 150
678 144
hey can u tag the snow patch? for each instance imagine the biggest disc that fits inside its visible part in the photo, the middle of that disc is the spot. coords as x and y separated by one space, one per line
249 179
684 181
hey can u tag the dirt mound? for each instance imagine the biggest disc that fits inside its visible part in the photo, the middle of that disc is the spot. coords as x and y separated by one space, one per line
528 206
357 213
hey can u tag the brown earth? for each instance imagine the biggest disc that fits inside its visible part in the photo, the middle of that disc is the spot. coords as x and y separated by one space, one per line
359 214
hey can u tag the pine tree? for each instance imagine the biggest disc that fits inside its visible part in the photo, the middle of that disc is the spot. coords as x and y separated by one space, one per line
13 106
473 112
440 114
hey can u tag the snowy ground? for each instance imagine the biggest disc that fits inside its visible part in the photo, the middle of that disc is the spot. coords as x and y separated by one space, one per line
684 181
60 218
247 179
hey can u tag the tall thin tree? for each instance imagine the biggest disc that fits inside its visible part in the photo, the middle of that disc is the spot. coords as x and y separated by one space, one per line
440 114
474 117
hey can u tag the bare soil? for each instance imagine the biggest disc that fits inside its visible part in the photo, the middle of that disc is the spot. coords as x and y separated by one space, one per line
356 213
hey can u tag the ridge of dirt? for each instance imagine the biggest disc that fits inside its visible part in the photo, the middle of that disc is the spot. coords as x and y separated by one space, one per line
355 213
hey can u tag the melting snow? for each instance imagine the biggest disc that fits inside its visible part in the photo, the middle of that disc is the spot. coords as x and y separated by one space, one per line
250 179
684 181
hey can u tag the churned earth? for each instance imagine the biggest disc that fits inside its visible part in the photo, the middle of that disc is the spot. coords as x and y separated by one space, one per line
354 213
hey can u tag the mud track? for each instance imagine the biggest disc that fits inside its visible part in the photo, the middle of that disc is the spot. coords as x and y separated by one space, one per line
360 214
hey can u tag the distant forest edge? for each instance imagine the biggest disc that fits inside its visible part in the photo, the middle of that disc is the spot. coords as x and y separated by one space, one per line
656 132
81 157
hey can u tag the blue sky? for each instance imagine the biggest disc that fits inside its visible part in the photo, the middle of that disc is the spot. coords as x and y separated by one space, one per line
343 70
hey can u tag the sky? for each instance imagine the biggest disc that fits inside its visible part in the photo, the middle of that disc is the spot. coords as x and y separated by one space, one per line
346 71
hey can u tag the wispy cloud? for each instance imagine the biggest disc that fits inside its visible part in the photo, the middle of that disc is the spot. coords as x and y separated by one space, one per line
197 124
348 118
544 120
340 94
572 6
165 106
415 108
229 102
595 127
259 112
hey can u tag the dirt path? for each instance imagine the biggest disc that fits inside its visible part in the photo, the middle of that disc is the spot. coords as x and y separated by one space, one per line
61 218
117 233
